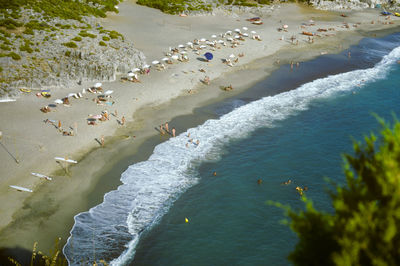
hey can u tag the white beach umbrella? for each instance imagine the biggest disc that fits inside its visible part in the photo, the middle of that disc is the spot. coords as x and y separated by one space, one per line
183 52
58 101
165 59
202 39
202 46
135 69
245 28
229 32
146 66
237 36
232 56
220 41
213 36
71 94
311 21
285 26
155 62
253 32
181 46
97 85
230 39
175 57
131 74
237 30
108 92
189 43
245 35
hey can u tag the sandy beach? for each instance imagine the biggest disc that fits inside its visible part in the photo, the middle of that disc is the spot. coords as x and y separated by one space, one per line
29 144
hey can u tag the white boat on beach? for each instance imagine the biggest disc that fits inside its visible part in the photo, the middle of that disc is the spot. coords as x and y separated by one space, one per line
21 188
42 176
65 160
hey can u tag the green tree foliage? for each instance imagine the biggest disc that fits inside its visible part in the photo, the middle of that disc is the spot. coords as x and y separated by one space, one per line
365 226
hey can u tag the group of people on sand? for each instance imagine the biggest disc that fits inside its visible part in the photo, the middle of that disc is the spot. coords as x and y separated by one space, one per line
164 128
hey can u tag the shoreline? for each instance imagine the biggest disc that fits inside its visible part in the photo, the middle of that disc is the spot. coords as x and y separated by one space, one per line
94 157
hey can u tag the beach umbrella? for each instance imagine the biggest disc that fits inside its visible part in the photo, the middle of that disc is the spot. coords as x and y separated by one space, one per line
183 52
165 59
108 92
237 30
232 56
58 101
311 21
245 28
253 32
208 56
229 32
135 69
155 62
230 39
131 74
285 26
189 43
146 66
213 36
175 57
202 39
245 35
97 85
237 36
181 46
220 41
71 94
202 46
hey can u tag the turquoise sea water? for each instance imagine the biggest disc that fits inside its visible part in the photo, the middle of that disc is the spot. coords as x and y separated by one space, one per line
298 134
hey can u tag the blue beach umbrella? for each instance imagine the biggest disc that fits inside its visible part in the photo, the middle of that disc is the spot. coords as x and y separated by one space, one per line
208 56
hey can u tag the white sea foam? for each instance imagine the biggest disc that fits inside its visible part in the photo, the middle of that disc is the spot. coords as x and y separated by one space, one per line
150 187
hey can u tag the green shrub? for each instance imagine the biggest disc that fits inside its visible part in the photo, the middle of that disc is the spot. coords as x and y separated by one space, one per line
84 33
10 23
65 26
101 43
67 53
5 47
70 44
114 34
105 38
77 39
1 69
14 56
28 31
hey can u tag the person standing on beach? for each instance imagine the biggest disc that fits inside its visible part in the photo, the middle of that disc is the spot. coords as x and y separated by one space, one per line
162 130
102 140
173 132
123 120
166 127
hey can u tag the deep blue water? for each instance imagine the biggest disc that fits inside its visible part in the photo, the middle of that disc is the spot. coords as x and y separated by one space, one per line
295 125
229 220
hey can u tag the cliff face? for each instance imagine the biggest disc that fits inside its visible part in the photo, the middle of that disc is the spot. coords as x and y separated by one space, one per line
350 4
60 56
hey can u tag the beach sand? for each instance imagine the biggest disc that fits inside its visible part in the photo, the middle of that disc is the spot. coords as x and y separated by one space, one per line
48 212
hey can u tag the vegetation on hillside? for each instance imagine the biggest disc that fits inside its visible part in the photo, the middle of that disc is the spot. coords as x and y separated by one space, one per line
179 6
365 226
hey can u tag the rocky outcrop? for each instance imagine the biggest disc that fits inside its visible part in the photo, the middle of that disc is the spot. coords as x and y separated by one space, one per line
350 4
100 55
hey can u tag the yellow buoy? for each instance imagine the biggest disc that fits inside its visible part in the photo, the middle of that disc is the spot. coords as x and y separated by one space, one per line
186 220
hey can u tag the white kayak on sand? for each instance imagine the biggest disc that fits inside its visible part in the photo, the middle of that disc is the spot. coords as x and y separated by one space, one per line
65 160
42 176
21 188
